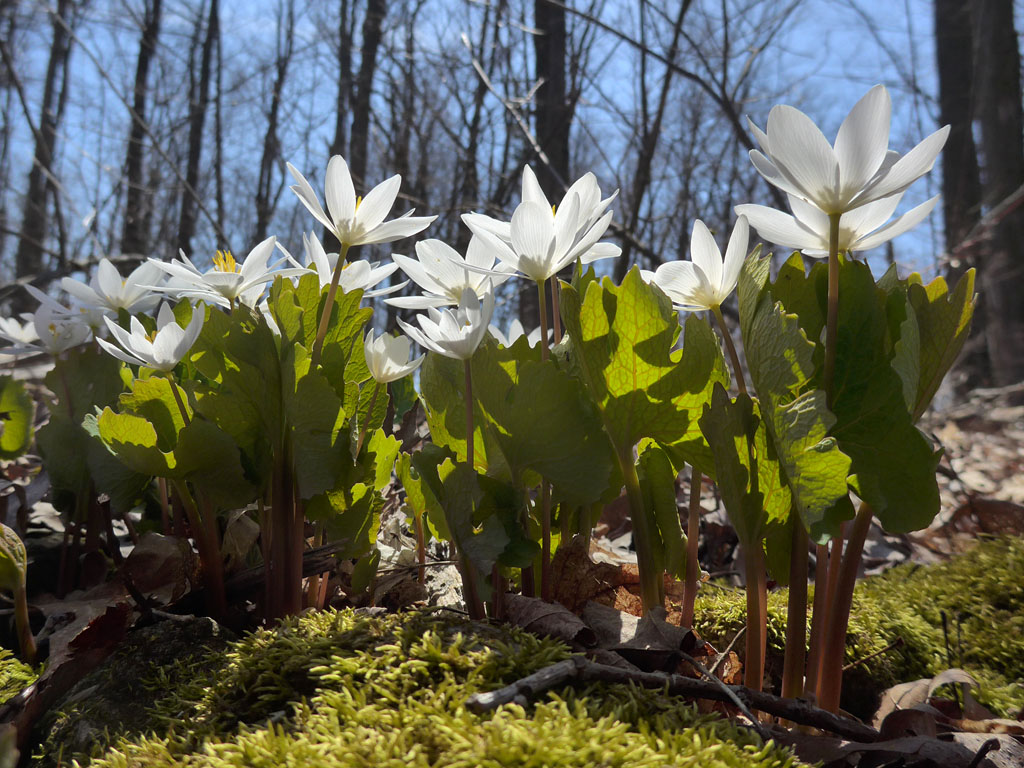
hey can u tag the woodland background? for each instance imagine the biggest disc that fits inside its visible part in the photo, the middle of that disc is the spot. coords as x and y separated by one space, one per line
133 128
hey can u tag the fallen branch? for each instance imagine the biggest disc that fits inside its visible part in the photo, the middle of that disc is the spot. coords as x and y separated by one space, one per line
580 669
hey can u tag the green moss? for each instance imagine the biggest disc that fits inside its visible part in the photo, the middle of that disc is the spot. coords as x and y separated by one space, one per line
983 590
14 675
337 689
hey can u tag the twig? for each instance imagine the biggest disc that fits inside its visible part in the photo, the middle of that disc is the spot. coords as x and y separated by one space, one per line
894 644
580 669
732 644
733 698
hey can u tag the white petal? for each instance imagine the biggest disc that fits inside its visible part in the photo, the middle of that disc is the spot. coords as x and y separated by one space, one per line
340 193
908 168
532 238
82 292
419 302
108 280
378 203
307 196
678 279
772 175
735 254
705 253
802 153
478 222
600 251
897 226
532 192
119 354
870 216
395 229
256 262
780 228
863 140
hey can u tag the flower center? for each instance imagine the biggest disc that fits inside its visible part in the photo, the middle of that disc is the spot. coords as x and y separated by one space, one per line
225 262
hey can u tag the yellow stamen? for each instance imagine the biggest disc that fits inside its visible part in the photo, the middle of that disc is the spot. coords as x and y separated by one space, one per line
552 210
359 201
225 262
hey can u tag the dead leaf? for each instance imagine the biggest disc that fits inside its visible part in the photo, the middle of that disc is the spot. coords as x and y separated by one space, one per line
649 643
1010 753
919 720
909 695
551 619
578 579
161 567
240 536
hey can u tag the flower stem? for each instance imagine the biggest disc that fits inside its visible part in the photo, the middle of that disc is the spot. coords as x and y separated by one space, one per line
692 540
209 552
796 616
472 592
753 665
325 318
366 421
178 400
542 301
737 369
832 318
819 616
833 653
556 319
26 640
652 584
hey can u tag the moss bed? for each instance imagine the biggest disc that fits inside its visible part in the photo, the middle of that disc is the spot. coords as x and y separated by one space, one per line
981 593
344 688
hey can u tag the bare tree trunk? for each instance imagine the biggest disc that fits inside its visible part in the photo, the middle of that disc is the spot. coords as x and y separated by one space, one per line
218 144
376 10
346 21
551 121
998 108
29 256
266 197
199 99
138 199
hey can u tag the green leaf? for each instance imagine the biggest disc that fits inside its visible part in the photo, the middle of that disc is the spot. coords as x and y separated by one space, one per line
318 440
472 516
17 414
154 400
944 321
420 495
108 475
541 421
350 515
133 440
622 340
804 295
13 560
796 417
893 462
730 427
404 397
658 483
443 392
378 456
207 457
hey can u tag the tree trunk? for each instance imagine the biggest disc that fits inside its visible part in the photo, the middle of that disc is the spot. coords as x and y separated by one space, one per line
551 122
266 197
358 149
138 199
342 109
29 257
199 99
998 109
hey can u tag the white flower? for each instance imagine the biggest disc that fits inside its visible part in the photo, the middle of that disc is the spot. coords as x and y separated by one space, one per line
457 332
355 275
858 169
108 291
440 271
357 221
162 350
542 239
19 334
707 280
228 281
54 327
861 229
515 331
91 317
387 357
